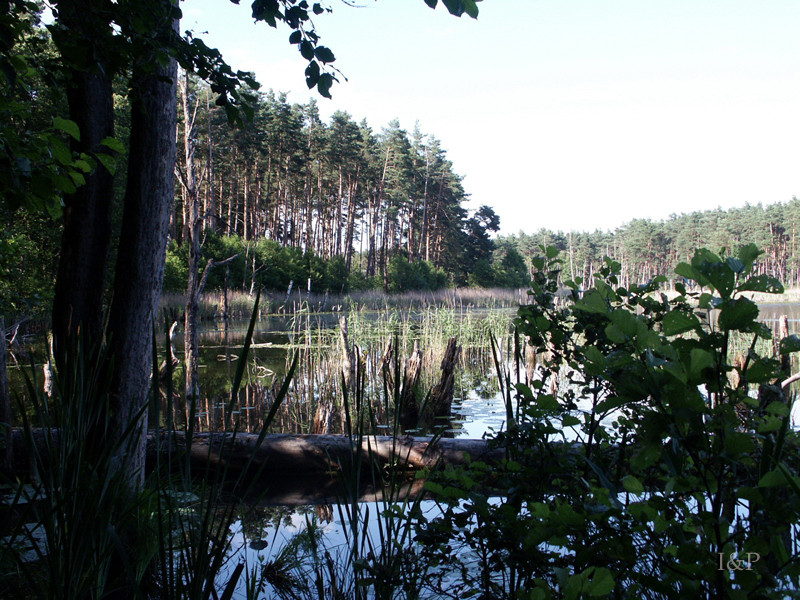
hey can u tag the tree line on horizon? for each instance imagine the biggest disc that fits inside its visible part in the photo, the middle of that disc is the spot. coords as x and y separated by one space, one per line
647 248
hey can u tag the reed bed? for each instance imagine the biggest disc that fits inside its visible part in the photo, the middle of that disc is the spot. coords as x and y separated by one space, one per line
317 389
240 304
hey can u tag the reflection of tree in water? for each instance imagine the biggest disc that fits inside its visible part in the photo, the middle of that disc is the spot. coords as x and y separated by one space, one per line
262 522
324 513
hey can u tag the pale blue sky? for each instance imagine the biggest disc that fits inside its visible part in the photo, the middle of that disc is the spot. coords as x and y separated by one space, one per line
566 114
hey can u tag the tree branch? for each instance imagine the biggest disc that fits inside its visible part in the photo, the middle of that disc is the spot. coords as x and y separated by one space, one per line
209 265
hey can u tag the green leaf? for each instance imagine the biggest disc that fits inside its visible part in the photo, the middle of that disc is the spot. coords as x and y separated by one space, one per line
324 55
736 265
77 178
113 144
570 421
592 302
604 481
676 370
307 50
632 485
82 165
699 360
762 283
454 6
64 184
774 478
780 409
108 162
602 582
312 74
760 371
60 151
748 254
595 361
324 84
296 37
676 322
738 313
471 8
790 344
686 270
68 127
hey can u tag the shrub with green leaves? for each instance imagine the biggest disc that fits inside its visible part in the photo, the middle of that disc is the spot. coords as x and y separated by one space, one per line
643 459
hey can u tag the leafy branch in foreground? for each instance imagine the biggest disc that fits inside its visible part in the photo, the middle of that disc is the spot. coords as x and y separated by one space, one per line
645 453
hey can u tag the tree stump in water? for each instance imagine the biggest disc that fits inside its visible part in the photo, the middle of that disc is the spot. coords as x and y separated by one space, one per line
385 365
322 418
409 411
441 398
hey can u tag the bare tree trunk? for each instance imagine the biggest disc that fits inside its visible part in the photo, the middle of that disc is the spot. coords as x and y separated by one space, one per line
423 239
337 245
194 230
246 216
409 405
351 219
143 243
80 284
208 209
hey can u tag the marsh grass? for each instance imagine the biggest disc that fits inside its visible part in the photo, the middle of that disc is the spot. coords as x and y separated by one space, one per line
69 535
240 304
317 389
79 530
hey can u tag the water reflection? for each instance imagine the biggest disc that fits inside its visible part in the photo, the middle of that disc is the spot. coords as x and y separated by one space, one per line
315 399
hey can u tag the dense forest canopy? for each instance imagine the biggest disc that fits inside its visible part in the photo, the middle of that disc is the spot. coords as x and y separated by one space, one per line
380 209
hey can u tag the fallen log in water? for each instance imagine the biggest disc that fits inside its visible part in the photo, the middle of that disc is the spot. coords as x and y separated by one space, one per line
294 453
321 453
